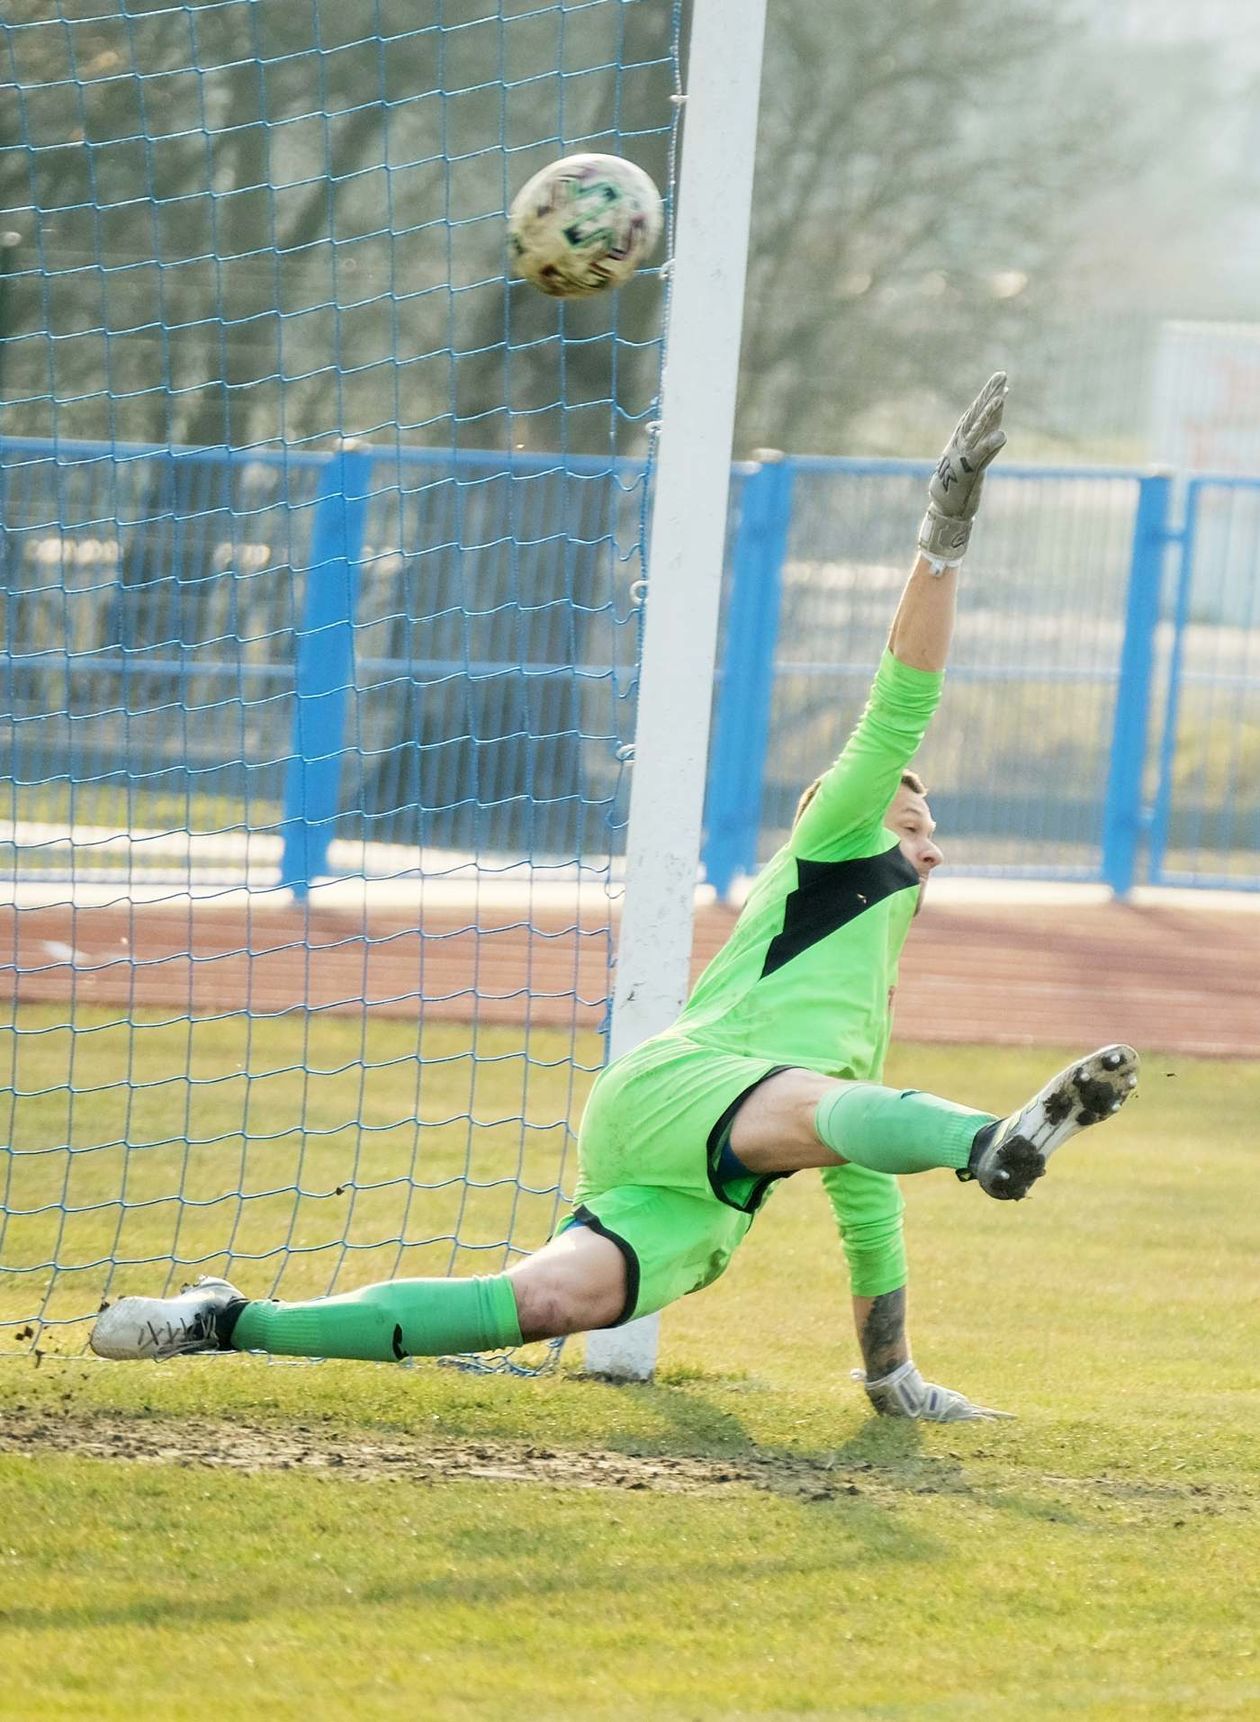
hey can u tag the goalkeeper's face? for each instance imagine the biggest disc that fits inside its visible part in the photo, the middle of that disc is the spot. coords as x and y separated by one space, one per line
911 818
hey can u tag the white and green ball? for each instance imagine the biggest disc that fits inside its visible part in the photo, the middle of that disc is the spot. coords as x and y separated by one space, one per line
583 225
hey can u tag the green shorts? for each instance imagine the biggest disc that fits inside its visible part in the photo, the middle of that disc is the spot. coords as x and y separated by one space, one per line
654 1168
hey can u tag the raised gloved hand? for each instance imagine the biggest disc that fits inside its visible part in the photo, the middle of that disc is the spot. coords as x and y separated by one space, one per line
904 1393
954 491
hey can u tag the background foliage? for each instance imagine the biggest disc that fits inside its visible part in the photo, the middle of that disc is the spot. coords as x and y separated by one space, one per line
211 248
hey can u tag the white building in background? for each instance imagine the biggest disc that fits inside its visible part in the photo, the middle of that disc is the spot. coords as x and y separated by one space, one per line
1153 356
1175 21
1205 398
1205 378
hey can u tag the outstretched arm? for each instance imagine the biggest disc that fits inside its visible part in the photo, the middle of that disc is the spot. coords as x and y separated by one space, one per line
924 623
849 801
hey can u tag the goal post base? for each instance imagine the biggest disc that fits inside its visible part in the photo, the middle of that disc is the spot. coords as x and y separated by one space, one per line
625 1353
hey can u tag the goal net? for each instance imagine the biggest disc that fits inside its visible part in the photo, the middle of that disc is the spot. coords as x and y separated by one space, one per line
322 550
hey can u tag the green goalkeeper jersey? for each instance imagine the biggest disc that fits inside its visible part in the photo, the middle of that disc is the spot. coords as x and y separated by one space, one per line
807 975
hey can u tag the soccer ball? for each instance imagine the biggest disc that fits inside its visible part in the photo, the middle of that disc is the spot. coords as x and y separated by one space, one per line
584 224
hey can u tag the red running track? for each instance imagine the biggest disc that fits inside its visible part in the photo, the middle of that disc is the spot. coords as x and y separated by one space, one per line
1178 979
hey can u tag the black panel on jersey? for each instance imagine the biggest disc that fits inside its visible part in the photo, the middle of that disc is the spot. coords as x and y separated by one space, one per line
829 894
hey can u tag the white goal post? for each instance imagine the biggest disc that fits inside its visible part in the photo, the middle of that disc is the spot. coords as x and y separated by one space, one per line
685 554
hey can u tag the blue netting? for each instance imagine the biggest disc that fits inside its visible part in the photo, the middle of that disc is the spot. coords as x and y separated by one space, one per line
320 548
465 684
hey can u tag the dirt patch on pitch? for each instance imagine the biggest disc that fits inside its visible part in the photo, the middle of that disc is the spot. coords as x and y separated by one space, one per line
235 1447
196 1443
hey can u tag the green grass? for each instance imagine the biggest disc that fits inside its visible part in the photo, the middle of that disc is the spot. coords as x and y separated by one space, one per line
305 1145
1099 1557
58 801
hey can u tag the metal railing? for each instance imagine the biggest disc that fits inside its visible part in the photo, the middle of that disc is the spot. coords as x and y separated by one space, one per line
416 648
437 650
1101 719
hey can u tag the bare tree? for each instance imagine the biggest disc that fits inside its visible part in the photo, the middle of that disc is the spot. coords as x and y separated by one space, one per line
915 200
247 223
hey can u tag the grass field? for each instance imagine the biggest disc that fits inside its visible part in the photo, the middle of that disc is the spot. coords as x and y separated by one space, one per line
740 1539
306 1146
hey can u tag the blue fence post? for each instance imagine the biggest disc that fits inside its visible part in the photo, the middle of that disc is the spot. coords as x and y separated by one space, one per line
1124 813
324 668
741 724
1161 815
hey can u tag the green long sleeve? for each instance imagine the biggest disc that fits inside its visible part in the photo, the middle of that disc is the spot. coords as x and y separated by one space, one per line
868 1207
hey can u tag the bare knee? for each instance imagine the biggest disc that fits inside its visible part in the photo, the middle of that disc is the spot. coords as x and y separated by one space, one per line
573 1284
773 1131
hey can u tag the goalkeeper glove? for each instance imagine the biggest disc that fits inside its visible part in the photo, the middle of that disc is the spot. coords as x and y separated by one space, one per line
904 1393
954 491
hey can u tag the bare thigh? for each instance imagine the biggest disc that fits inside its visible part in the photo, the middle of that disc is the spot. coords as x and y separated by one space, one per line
774 1130
574 1283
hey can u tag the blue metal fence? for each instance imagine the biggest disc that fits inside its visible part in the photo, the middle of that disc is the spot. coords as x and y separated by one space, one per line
414 647
437 650
1035 761
1205 808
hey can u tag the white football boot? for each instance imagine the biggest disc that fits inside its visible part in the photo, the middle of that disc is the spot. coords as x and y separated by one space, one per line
1014 1156
162 1327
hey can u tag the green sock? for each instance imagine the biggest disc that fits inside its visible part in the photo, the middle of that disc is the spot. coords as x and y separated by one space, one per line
896 1130
401 1318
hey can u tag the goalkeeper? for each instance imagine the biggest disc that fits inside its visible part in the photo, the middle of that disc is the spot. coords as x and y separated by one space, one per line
774 1065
